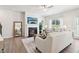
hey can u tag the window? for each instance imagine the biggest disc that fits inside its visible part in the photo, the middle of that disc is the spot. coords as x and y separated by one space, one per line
56 22
76 27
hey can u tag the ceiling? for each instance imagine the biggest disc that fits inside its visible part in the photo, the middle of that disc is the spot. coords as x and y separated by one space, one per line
37 10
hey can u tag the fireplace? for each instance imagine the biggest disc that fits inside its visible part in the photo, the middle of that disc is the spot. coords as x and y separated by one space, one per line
32 31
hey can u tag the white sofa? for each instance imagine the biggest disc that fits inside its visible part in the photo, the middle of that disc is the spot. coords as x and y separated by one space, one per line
55 42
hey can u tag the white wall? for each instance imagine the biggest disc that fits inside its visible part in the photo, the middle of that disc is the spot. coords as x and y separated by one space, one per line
7 18
68 17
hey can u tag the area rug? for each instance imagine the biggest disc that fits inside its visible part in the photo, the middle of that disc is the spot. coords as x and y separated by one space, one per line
29 44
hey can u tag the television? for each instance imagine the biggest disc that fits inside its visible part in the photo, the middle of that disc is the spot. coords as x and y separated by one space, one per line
32 20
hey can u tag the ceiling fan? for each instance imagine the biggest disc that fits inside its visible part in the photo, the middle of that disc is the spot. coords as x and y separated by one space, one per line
46 7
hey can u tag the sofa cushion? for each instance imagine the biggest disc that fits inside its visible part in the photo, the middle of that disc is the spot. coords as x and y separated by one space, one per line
43 35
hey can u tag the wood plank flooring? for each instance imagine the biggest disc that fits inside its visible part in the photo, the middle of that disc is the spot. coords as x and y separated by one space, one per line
73 48
14 45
